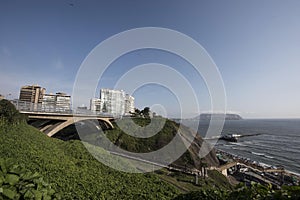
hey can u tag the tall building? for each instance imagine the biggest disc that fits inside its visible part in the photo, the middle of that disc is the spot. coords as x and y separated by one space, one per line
32 93
2 97
113 101
129 104
56 102
96 104
49 102
63 101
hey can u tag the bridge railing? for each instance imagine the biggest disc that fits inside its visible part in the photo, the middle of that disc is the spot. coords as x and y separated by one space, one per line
44 108
39 107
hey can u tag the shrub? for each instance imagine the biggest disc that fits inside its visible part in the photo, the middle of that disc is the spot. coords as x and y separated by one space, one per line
18 183
9 114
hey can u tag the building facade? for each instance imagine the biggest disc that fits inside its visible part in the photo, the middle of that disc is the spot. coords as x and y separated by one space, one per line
63 102
113 101
129 104
32 93
58 102
96 105
49 102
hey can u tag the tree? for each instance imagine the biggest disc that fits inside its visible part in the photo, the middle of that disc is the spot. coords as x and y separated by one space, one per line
137 112
9 113
146 112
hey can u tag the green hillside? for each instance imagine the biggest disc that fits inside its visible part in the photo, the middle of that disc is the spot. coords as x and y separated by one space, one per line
160 139
52 168
71 170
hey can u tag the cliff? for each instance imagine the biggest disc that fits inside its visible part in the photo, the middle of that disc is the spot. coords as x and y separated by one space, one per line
143 145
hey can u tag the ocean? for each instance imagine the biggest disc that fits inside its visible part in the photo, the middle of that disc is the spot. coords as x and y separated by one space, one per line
268 141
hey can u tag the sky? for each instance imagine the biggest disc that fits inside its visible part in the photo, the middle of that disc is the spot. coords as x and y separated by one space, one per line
254 44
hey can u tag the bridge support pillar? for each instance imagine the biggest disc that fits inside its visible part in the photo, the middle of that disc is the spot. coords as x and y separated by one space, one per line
224 172
197 178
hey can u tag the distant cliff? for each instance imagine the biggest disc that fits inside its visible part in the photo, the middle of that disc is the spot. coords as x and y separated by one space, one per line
207 116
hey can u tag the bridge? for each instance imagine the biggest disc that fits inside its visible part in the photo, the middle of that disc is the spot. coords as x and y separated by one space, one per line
51 120
224 168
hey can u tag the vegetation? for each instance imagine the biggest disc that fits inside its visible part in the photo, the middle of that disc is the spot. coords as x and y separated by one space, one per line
141 145
70 169
145 113
158 138
34 166
18 183
9 115
73 172
187 183
242 192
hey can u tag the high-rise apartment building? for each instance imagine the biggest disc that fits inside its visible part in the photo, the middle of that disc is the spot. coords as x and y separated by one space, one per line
96 105
49 102
129 104
113 101
56 102
32 93
63 101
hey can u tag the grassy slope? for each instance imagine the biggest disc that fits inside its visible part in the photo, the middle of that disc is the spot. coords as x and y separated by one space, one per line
73 171
133 144
183 182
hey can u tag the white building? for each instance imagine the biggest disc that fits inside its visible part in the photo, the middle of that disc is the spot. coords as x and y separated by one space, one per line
129 104
56 102
63 101
96 105
49 102
113 101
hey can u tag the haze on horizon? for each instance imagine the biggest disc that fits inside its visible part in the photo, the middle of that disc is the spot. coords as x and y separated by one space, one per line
255 44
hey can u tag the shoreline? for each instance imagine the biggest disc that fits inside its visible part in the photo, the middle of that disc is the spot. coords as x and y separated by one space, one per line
259 166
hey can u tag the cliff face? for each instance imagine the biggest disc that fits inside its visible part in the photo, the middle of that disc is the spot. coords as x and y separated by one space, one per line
207 116
189 159
194 150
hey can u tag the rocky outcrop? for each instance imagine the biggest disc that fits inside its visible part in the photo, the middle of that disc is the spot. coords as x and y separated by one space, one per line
208 116
196 150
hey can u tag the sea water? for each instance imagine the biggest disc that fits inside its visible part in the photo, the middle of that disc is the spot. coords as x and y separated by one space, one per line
269 141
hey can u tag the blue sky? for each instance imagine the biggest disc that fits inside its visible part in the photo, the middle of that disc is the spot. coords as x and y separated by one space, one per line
255 44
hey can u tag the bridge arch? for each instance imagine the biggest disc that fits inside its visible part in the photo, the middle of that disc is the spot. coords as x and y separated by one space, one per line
56 121
58 127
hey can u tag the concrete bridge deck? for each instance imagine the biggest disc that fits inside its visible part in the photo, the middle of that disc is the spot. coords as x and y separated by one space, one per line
52 123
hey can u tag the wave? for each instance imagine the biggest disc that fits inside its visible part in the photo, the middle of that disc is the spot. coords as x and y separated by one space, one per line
228 145
262 154
292 172
277 141
271 157
279 148
258 154
238 144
